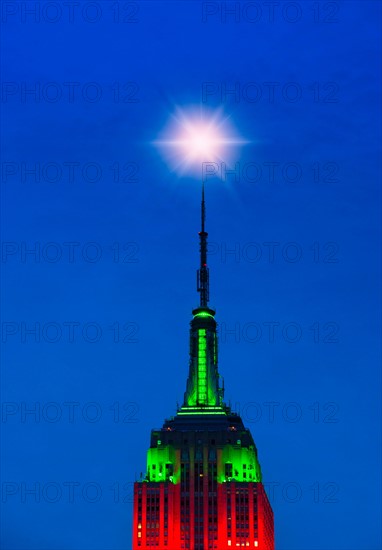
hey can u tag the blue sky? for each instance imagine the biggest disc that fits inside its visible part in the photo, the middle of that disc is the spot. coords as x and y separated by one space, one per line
112 287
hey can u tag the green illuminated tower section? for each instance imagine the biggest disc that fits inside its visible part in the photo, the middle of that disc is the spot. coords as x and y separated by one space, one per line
203 485
203 391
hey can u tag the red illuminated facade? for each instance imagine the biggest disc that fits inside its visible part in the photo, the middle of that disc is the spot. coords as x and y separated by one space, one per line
203 487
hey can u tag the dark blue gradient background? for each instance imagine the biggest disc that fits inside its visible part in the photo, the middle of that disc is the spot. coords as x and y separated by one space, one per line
325 467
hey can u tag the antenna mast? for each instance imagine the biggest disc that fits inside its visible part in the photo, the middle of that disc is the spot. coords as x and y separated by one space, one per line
203 272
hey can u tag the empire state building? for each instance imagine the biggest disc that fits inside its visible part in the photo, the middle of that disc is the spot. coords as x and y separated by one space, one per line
202 489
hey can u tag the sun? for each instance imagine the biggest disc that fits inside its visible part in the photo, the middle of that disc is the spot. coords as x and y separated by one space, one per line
194 137
200 141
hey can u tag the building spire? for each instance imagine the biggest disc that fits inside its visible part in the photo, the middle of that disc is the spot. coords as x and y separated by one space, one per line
203 393
203 208
203 273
